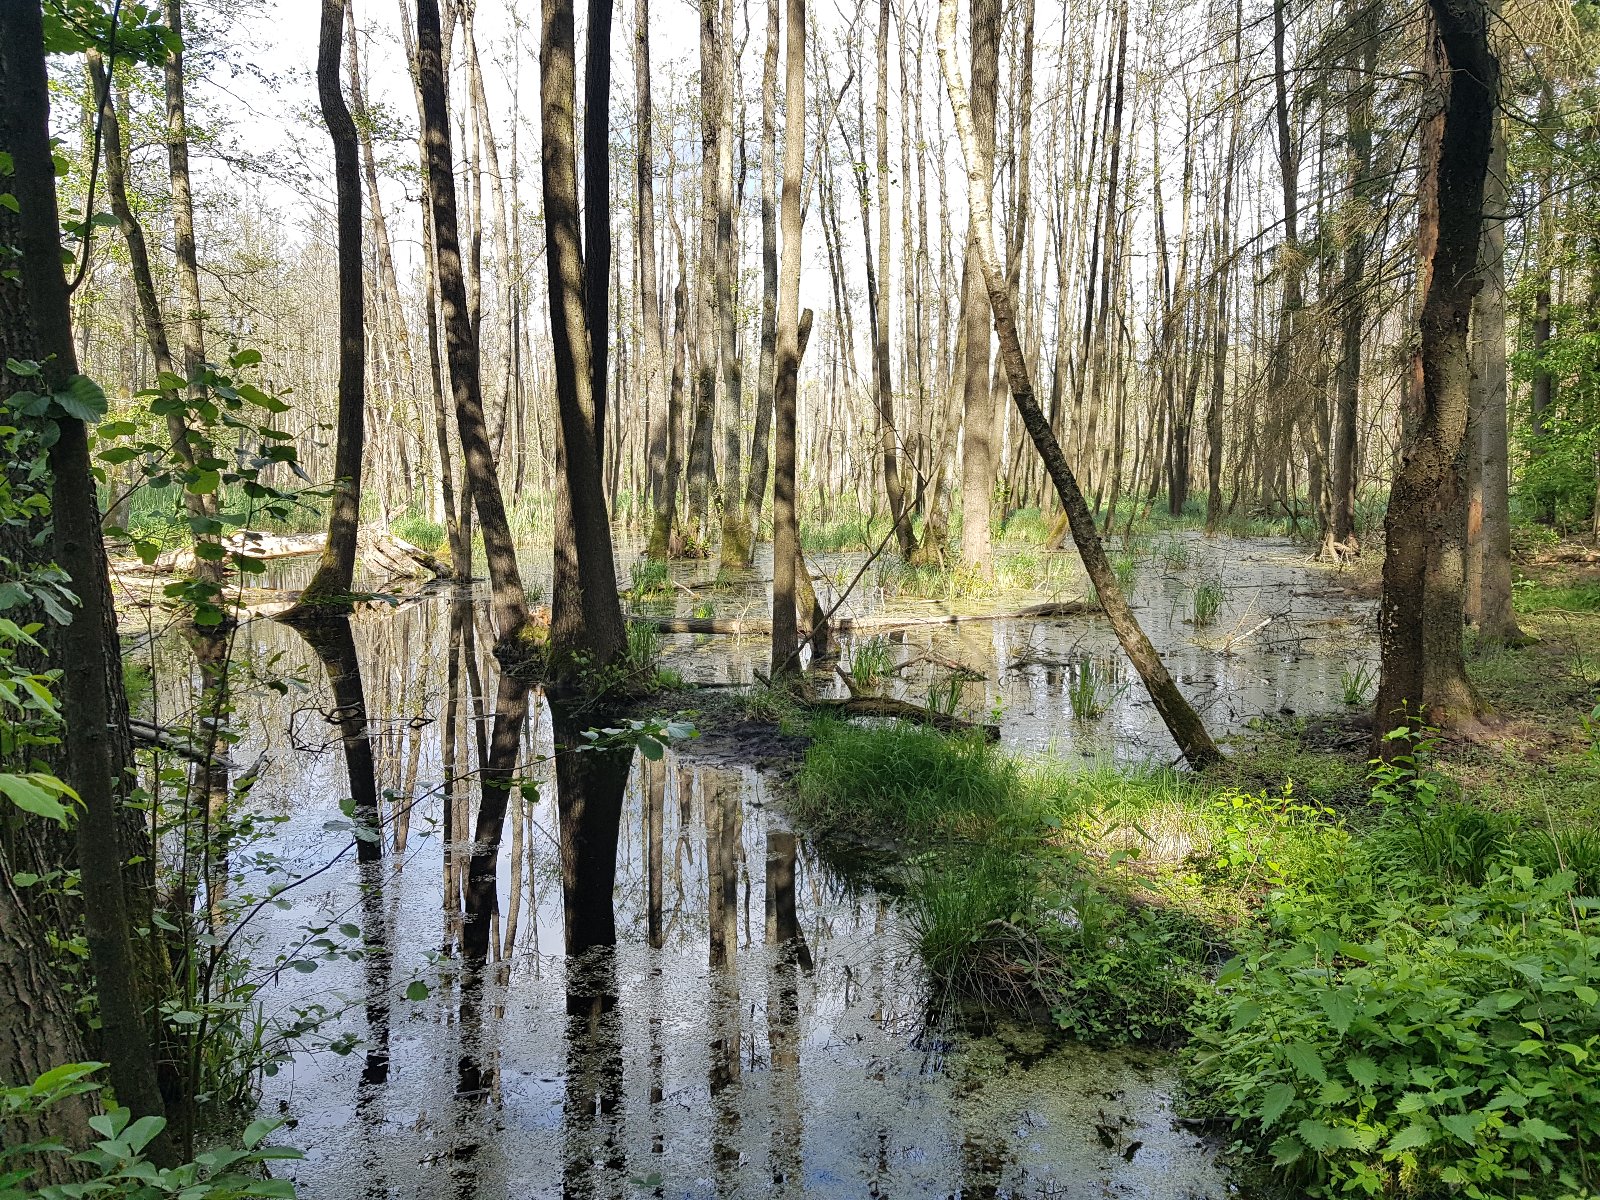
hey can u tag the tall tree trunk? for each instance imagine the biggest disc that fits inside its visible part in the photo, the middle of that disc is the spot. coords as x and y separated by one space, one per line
785 528
586 618
755 490
1181 720
191 338
93 704
461 343
888 434
1419 618
1360 66
1224 270
656 448
1488 591
977 453
329 589
457 515
597 205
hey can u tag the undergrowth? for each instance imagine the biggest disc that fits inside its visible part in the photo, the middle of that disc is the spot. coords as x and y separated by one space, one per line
1411 999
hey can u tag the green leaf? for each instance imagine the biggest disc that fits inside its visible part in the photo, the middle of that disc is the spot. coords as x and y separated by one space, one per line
1305 1059
255 1131
37 794
1535 1130
1340 1007
1462 1125
82 398
23 368
1279 1097
417 990
1364 1071
1412 1137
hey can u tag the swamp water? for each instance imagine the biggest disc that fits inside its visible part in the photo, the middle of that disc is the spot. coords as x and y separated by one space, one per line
679 998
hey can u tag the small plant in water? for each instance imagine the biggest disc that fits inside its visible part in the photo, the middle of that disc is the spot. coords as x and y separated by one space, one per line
1355 684
1206 600
871 661
1086 691
650 578
1126 569
1174 553
945 695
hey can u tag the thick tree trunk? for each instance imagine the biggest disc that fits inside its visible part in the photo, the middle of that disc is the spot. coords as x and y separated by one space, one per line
1181 720
585 619
1419 619
461 343
785 528
47 1038
93 704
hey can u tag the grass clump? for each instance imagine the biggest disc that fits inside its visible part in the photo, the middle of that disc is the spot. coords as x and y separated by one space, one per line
649 578
871 661
1529 596
1355 684
1206 600
419 531
1026 525
1173 552
1126 568
1086 692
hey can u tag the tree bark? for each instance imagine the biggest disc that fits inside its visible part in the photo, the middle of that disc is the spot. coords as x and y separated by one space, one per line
785 529
585 619
1488 593
93 704
461 343
1419 619
977 452
329 589
1181 720
756 486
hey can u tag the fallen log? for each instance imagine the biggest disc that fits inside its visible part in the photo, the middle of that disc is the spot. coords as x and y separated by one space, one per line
759 627
383 551
147 734
904 710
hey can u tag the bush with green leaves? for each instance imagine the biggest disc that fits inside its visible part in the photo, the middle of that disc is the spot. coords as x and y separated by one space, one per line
114 1166
1418 1010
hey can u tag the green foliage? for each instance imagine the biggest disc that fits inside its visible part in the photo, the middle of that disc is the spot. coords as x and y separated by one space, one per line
1173 552
233 451
1418 1010
871 661
1086 692
1126 568
114 1166
651 579
1355 684
1026 525
1530 596
1205 600
420 532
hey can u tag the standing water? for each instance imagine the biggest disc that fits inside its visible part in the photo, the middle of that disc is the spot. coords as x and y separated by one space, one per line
677 995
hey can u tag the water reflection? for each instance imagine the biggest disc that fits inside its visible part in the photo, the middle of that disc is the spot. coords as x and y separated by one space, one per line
646 984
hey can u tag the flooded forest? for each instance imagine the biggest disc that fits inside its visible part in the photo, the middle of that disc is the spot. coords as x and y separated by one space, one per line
739 598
